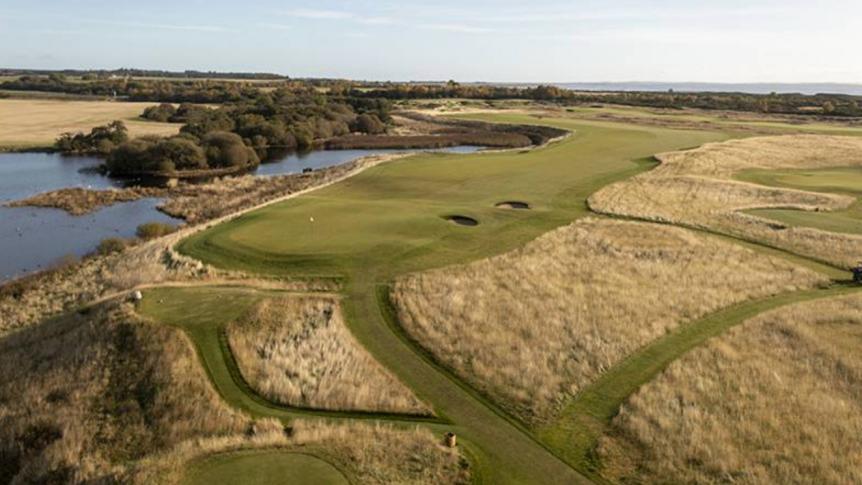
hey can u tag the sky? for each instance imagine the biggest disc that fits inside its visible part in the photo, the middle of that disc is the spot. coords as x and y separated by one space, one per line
466 40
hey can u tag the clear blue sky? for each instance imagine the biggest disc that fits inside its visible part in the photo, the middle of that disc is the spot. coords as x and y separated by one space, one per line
468 40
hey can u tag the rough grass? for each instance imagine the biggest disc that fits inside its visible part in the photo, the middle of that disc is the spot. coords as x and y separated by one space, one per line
696 188
533 326
26 123
82 395
366 453
33 298
298 351
776 400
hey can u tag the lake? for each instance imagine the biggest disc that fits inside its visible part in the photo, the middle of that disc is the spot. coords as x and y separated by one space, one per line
34 238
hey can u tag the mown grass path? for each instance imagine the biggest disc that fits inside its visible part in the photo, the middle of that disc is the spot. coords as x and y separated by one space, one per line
203 312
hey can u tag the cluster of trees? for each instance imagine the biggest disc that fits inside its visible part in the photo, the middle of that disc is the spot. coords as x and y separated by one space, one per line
786 103
235 135
167 112
291 119
154 155
101 140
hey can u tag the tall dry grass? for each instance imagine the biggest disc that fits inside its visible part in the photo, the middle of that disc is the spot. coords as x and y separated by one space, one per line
776 400
373 454
82 395
37 297
696 188
298 351
533 326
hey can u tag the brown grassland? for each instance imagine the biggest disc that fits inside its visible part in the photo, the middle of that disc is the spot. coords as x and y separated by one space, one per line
105 397
36 123
533 326
776 400
296 350
696 188
81 394
31 299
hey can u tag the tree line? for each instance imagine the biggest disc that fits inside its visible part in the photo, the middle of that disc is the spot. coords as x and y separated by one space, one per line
234 136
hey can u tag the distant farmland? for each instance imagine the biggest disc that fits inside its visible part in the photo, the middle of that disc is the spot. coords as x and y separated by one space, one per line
35 123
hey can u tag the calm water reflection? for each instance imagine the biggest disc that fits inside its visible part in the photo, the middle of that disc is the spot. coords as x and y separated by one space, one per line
34 238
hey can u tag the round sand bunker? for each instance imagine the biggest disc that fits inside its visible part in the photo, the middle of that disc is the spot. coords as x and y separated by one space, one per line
512 204
462 220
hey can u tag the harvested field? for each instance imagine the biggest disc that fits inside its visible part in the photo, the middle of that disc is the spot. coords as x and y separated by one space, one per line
696 188
533 326
84 395
298 351
28 123
776 400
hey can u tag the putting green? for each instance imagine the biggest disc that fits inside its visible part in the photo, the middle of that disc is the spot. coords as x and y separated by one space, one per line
269 467
846 180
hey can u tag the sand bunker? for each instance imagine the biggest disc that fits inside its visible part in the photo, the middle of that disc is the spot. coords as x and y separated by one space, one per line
462 220
512 204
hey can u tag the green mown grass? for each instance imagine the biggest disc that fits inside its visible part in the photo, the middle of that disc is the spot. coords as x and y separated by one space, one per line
390 218
841 180
203 313
266 467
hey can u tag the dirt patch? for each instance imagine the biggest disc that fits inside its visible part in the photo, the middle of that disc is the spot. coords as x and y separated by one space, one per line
462 220
512 204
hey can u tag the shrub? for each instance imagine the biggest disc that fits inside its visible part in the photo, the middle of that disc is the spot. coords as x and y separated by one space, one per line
111 245
101 139
162 112
156 155
152 230
371 124
224 149
180 153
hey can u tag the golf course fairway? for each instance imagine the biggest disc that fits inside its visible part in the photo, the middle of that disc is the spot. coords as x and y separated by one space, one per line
390 219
